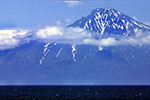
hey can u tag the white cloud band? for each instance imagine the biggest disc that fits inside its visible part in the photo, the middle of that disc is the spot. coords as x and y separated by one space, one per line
15 37
80 36
11 38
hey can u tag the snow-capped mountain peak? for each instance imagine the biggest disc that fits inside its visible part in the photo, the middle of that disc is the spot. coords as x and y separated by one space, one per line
108 20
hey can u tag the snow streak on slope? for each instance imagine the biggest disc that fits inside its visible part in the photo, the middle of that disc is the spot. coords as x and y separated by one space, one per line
45 52
74 52
59 52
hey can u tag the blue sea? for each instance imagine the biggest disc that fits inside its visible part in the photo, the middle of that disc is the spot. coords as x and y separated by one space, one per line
74 92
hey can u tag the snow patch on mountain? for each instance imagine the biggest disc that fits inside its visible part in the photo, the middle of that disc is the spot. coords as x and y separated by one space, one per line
100 48
74 52
45 52
59 52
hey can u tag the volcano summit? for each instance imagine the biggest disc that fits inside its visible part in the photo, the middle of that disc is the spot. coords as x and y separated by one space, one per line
111 21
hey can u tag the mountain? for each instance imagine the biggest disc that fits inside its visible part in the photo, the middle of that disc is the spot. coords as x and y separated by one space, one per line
39 62
111 21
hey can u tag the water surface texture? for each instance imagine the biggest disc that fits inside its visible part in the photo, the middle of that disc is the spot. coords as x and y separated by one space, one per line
75 92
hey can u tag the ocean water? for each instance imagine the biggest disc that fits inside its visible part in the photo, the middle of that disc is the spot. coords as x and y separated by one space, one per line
74 92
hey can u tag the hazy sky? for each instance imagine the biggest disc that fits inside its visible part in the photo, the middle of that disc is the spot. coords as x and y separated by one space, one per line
32 13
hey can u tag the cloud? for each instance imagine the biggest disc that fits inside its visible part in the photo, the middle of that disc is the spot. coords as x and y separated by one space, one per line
62 34
108 41
11 38
102 42
69 35
111 41
80 36
49 32
72 3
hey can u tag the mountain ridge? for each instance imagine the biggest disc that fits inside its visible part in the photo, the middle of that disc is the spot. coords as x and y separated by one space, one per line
108 20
